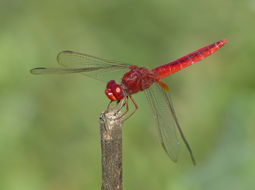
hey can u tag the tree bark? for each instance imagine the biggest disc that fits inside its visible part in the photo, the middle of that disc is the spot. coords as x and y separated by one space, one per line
111 148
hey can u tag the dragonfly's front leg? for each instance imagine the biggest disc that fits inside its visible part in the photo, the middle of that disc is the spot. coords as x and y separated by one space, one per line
115 105
136 108
124 104
127 108
109 104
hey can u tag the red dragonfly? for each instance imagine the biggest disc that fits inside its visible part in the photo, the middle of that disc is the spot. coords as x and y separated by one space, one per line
134 80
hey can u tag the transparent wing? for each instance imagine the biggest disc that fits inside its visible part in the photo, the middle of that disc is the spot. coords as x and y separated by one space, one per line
94 67
167 121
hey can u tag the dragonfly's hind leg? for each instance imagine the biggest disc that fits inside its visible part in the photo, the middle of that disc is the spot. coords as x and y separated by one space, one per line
127 109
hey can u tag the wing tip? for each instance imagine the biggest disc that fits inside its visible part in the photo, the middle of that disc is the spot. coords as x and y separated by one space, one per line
193 159
37 70
61 53
173 158
67 51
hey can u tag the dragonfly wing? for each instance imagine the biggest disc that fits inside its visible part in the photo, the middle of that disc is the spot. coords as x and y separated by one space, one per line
43 70
81 60
94 67
163 116
167 121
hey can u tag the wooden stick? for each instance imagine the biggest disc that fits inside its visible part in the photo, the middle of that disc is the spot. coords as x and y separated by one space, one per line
111 148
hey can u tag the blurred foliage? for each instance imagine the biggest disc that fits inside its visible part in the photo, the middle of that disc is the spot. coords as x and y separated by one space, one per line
49 132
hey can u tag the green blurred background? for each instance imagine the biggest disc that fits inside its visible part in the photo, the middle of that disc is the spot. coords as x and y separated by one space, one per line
49 132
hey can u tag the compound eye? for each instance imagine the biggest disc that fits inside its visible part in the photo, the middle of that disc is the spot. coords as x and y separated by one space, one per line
118 92
114 91
110 84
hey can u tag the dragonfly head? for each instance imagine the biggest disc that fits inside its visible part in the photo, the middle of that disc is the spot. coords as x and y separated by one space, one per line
114 91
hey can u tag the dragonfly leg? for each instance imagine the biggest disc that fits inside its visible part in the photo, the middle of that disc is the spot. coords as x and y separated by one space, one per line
114 106
136 108
125 102
109 104
127 108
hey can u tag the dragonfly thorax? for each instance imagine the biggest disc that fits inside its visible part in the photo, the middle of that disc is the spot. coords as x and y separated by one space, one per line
138 79
114 91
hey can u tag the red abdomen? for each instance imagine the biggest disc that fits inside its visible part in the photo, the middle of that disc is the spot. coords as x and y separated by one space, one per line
175 66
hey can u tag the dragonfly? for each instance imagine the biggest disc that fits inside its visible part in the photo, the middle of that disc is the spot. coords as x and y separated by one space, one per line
136 79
